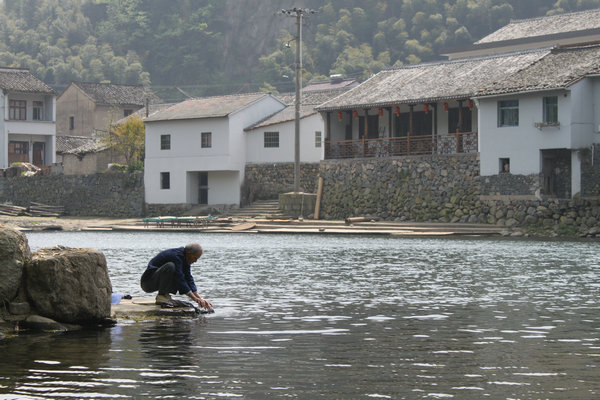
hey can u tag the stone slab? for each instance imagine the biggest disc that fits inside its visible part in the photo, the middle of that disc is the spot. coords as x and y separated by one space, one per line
140 308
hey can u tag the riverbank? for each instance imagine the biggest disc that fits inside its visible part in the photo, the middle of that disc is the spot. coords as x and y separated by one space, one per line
285 226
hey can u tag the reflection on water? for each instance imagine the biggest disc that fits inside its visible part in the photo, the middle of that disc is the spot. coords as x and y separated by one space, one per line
334 317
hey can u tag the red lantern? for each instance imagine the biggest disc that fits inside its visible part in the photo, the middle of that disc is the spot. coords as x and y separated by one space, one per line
446 107
470 104
397 111
426 108
380 112
339 115
355 114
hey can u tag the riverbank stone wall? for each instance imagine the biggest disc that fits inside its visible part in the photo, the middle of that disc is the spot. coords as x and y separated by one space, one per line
449 189
267 181
118 194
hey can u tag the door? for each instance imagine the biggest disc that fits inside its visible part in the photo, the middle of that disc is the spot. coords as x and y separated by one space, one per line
548 178
38 153
203 188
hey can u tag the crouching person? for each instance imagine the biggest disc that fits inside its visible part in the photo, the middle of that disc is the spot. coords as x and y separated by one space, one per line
169 272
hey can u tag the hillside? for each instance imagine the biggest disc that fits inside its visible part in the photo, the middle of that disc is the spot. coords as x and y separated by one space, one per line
204 47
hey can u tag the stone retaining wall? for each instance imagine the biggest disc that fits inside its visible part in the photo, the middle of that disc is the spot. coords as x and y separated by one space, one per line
449 189
101 195
268 181
417 188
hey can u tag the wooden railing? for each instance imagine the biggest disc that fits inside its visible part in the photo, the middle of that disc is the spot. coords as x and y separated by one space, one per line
452 143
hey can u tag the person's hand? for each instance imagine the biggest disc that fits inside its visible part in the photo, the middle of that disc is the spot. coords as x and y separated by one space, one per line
205 304
201 302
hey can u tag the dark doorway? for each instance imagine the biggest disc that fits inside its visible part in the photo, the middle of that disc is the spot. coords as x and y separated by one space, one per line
373 127
203 188
453 120
38 153
556 173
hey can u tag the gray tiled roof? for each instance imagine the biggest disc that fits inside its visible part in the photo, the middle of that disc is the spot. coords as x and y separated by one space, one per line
559 69
543 26
310 99
207 107
152 108
108 93
285 115
77 144
23 81
433 81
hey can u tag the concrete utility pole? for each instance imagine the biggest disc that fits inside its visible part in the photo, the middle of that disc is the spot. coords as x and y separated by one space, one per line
298 14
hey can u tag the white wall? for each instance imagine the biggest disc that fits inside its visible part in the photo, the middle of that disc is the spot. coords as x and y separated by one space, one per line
223 187
522 143
257 153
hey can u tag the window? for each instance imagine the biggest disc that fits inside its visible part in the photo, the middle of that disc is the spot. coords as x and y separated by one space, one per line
508 113
165 142
206 140
20 147
551 110
17 109
271 139
38 110
504 165
71 123
165 180
127 113
318 139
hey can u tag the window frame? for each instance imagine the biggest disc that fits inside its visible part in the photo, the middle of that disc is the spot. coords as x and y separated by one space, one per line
71 123
17 108
165 181
165 141
37 108
271 140
545 113
318 139
205 140
504 118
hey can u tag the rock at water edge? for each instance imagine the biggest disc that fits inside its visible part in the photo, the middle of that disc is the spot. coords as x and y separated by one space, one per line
69 285
14 253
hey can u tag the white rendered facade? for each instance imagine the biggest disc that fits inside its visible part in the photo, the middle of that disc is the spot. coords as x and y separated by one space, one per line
311 128
524 144
33 135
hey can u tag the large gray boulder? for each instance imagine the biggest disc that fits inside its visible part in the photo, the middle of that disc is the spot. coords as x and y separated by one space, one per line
14 253
69 285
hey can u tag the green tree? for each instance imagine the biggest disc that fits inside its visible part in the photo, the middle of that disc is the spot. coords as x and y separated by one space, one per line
128 139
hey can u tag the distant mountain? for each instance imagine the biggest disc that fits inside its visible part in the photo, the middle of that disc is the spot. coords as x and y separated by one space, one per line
199 47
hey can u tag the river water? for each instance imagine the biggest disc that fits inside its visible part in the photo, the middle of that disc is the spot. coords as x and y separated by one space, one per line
313 317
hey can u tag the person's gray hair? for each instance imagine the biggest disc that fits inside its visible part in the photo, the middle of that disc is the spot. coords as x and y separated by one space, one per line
193 248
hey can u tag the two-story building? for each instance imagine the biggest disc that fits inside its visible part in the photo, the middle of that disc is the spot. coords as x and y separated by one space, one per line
196 150
525 97
27 126
84 108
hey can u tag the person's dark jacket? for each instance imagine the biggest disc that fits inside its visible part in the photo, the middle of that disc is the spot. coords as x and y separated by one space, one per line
183 275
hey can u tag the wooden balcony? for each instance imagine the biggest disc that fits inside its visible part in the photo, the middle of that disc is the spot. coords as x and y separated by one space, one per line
452 143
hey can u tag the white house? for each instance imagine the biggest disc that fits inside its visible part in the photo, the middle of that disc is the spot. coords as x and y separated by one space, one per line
538 120
28 123
273 139
196 150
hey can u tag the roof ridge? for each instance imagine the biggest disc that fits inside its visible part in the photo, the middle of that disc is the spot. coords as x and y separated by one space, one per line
466 59
105 84
550 16
14 69
227 95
